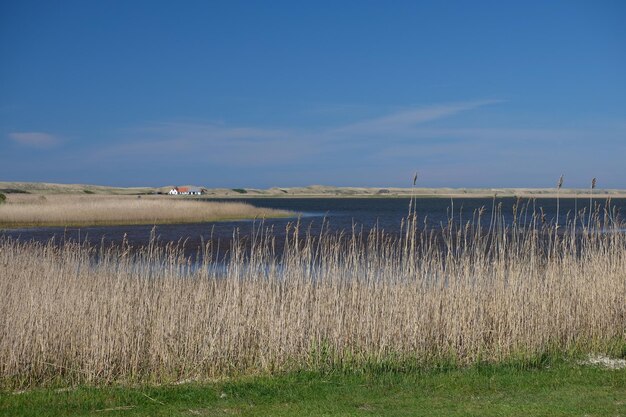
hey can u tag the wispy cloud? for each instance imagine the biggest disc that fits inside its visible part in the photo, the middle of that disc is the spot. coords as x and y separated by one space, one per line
246 146
403 137
34 139
404 121
209 143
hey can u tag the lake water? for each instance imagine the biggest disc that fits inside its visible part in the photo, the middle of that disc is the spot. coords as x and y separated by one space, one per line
339 214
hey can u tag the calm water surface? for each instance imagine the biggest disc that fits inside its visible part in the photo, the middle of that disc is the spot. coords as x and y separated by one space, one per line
339 214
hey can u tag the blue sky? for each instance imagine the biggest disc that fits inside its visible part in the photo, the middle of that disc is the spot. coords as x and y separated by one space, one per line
363 93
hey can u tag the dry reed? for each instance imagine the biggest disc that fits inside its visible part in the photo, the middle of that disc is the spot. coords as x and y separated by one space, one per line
73 210
465 293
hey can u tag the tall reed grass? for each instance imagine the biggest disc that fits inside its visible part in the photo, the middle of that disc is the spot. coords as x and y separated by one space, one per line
78 210
479 291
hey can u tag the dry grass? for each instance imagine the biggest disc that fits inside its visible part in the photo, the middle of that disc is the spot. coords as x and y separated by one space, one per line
461 294
76 210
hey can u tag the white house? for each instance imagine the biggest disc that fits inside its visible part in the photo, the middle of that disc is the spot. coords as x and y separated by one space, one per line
186 191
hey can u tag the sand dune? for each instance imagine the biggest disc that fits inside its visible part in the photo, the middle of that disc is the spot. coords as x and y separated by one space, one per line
313 191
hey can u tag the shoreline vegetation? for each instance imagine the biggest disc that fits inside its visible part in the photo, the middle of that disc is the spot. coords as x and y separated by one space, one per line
484 292
71 210
317 191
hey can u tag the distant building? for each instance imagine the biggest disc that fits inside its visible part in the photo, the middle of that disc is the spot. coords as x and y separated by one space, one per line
194 191
186 191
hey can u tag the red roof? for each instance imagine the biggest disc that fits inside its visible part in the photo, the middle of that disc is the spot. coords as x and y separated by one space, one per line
183 189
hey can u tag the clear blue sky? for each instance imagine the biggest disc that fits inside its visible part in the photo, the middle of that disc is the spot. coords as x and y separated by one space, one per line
261 94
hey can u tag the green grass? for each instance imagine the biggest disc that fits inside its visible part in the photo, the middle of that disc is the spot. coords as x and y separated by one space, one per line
558 390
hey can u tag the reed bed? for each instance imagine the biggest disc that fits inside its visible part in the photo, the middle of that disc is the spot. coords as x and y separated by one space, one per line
480 291
74 210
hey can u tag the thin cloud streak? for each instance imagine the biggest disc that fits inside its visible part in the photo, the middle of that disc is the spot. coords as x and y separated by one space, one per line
208 130
219 145
401 121
34 139
259 146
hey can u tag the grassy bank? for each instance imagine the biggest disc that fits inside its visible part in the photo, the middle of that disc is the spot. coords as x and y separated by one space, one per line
555 390
77 314
25 210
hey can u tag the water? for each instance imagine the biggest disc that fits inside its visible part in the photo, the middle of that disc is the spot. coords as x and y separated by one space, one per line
338 214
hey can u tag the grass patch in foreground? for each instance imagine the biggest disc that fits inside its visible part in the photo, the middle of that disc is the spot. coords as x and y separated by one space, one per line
561 390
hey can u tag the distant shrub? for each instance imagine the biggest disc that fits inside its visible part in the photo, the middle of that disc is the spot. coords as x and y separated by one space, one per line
88 192
13 191
3 198
240 190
